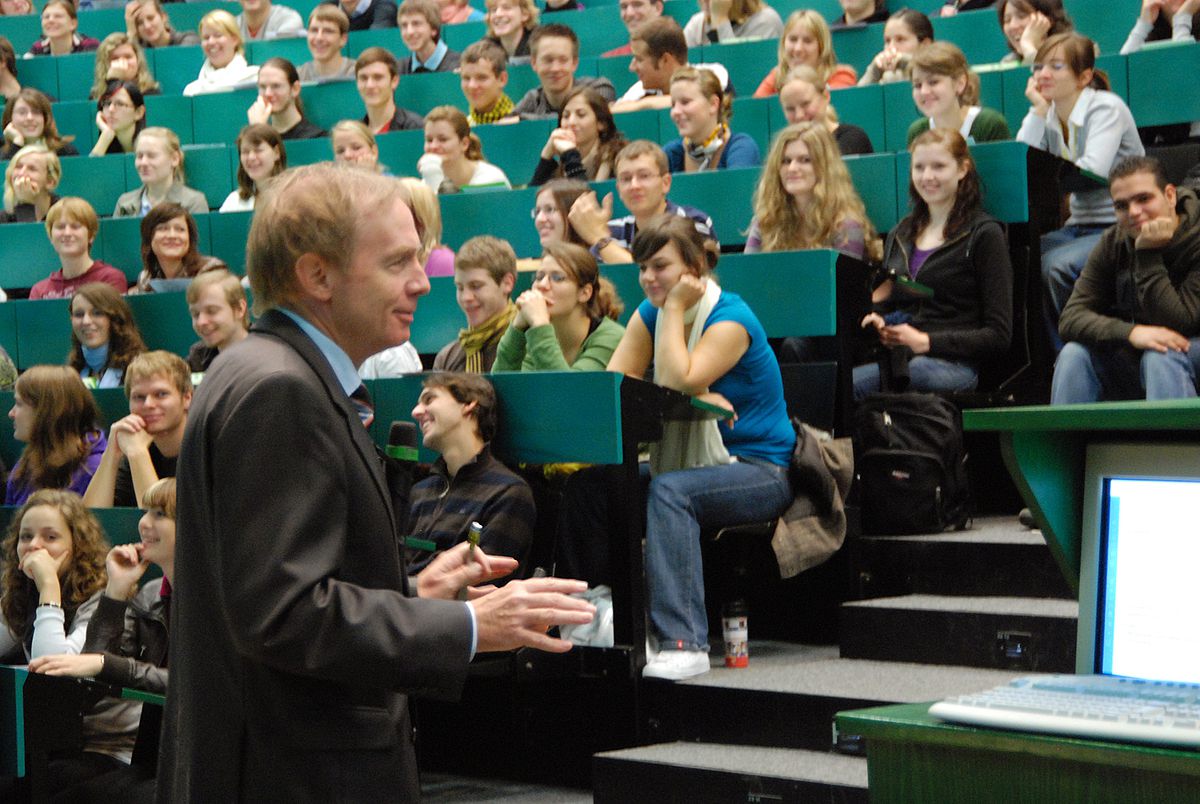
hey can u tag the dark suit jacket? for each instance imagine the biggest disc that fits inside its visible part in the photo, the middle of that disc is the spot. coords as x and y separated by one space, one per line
292 635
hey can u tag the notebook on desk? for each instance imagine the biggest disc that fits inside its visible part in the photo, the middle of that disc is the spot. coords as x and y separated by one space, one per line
1138 647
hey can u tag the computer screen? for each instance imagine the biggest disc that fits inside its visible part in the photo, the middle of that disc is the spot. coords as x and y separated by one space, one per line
1139 607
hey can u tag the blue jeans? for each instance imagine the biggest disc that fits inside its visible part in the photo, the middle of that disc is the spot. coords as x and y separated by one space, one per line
1064 253
1118 371
924 373
678 505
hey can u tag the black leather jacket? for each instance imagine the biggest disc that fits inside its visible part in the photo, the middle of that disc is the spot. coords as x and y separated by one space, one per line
132 635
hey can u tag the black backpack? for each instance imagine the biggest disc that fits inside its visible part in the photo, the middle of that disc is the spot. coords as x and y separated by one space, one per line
910 464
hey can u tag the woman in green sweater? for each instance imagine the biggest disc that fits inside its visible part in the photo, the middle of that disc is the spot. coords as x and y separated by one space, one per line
567 320
946 91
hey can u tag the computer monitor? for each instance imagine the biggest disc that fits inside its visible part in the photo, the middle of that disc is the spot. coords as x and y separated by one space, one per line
1139 580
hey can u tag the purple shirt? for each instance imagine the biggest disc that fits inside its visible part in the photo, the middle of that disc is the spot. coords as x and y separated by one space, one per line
19 490
919 256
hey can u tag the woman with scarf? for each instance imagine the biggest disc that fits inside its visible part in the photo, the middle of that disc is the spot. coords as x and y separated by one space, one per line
701 110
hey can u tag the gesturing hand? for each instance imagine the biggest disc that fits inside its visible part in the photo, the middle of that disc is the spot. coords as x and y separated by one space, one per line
455 569
590 218
519 614
125 567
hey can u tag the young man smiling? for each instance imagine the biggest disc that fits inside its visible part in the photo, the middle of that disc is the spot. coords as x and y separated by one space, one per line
659 49
421 30
1132 324
328 31
143 446
643 181
485 271
457 416
71 224
634 13
483 74
377 75
555 51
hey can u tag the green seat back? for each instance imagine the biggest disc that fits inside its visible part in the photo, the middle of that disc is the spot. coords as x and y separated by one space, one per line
99 179
326 104
875 179
43 331
221 115
78 119
208 171
515 149
173 112
1151 71
164 321
76 72
227 236
176 67
120 243
28 256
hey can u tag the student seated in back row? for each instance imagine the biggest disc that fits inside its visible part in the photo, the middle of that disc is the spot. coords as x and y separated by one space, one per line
261 155
1132 324
262 19
457 416
144 446
328 31
421 31
146 22
225 66
643 181
485 271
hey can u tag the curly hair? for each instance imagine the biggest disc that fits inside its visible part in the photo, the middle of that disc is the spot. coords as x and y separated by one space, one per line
145 81
64 415
784 225
124 338
967 200
85 575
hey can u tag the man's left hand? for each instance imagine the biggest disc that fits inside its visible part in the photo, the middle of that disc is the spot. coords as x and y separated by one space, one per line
457 568
1156 233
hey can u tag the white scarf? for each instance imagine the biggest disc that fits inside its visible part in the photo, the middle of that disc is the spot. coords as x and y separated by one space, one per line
222 79
689 444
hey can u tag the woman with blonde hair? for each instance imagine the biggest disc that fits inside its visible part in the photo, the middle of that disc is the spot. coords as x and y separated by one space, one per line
453 156
57 419
220 315
804 98
261 155
224 65
510 24
439 260
159 163
354 143
567 320
805 199
946 90
731 21
30 179
700 109
147 22
806 41
121 58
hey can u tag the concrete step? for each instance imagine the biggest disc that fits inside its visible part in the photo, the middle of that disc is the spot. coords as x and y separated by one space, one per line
789 694
1020 634
996 556
691 772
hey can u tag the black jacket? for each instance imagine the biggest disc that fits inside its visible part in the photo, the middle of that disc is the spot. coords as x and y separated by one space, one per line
969 316
132 635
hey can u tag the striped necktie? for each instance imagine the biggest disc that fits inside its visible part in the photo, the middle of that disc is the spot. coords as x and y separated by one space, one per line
363 405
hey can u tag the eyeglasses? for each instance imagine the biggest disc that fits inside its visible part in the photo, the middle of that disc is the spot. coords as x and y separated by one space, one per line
555 277
548 211
113 103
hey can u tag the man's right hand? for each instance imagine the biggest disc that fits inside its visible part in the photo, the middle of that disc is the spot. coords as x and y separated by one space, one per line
590 218
1158 339
129 435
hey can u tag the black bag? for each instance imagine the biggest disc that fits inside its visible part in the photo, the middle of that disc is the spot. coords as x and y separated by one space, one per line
910 464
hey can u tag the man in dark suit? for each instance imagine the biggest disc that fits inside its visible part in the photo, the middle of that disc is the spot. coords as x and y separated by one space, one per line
294 636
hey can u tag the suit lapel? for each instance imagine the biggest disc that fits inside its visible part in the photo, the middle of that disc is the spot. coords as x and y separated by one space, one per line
278 325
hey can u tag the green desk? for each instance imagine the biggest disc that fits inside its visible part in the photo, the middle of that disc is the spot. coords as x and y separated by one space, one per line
914 757
1044 448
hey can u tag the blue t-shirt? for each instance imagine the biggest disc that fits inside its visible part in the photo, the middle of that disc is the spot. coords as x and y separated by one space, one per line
754 387
742 151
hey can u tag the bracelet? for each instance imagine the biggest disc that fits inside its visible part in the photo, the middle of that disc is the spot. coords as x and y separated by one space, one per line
51 605
603 243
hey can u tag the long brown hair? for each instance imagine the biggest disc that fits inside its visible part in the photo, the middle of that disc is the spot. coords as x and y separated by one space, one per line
85 573
256 134
579 264
565 192
64 415
967 200
41 105
462 129
610 139
124 338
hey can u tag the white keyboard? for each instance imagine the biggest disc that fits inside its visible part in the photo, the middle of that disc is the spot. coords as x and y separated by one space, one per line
1101 707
